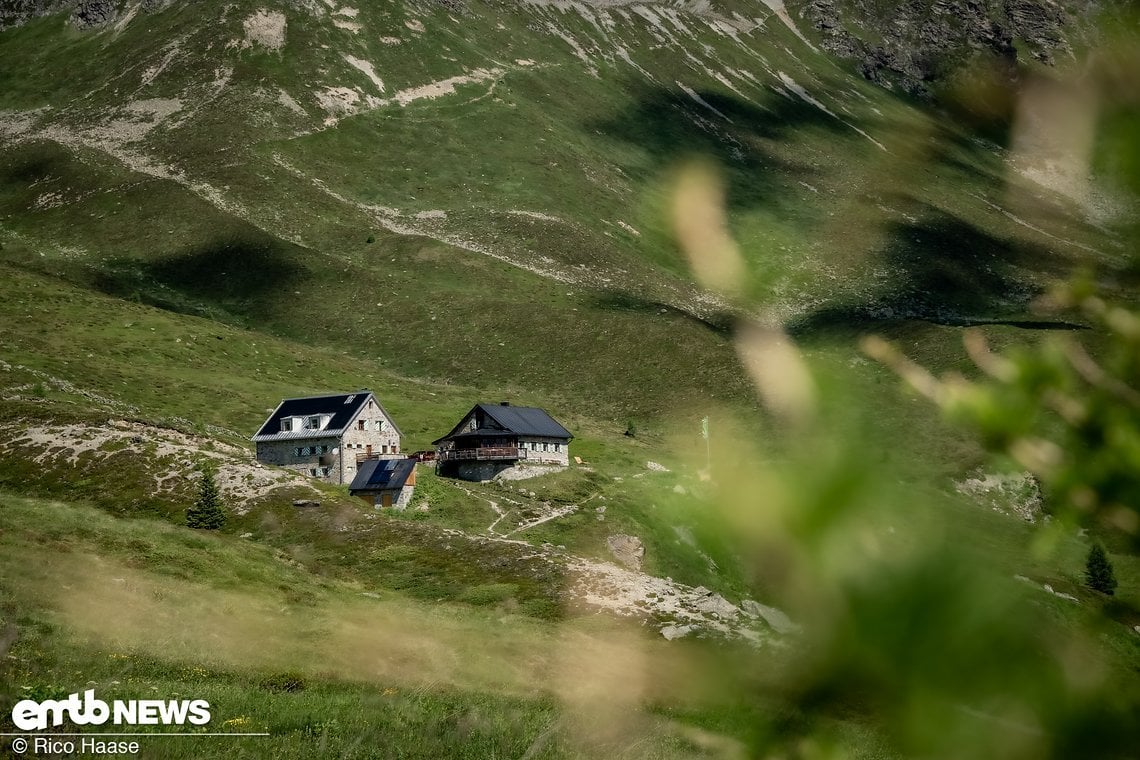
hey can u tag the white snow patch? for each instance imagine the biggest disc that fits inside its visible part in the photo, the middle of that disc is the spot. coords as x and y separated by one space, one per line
350 26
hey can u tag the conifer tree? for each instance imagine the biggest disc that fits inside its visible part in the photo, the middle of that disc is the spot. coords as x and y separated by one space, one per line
1098 571
206 513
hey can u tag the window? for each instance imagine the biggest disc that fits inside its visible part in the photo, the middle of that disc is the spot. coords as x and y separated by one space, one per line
360 424
349 399
380 425
545 446
384 449
299 451
313 422
324 449
287 425
557 447
313 471
395 448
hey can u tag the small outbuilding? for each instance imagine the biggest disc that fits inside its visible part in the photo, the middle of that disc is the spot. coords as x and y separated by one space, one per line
385 482
492 438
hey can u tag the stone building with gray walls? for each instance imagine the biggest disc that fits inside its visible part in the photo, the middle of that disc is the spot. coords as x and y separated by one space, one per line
493 438
328 437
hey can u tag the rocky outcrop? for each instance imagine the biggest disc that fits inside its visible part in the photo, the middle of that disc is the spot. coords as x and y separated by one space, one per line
917 43
85 14
17 12
628 550
90 13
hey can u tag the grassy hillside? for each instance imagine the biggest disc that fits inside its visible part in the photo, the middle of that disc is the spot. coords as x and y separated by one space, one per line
527 158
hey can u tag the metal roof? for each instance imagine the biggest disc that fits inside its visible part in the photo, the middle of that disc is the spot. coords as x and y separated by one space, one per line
382 475
500 419
343 407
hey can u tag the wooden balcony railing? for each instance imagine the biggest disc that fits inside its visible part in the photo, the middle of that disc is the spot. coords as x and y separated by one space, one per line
375 455
482 453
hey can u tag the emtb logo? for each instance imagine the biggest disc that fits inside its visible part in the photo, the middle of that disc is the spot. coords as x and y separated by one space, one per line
29 715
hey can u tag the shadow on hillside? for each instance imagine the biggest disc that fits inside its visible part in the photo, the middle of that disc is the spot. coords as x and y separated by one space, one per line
32 163
239 275
721 324
669 125
946 271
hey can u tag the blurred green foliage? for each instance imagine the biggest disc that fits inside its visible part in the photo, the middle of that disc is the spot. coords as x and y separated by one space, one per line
1071 419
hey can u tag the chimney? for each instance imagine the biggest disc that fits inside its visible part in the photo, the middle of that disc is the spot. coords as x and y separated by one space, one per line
504 403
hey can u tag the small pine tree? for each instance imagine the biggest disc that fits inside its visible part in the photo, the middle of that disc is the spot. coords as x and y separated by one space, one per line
206 513
1098 571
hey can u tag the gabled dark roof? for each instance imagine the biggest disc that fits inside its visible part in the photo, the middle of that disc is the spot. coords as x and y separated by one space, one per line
504 419
342 407
382 474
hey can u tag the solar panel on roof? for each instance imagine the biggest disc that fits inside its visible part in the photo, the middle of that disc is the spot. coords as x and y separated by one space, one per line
381 474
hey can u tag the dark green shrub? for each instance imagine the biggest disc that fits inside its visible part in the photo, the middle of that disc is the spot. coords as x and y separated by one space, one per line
206 513
1098 571
284 683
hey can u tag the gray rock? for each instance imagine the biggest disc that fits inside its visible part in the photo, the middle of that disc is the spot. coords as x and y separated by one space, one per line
91 13
628 550
671 632
776 619
917 43
717 605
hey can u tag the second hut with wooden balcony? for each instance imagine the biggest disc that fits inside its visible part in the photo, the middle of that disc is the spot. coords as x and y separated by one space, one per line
503 440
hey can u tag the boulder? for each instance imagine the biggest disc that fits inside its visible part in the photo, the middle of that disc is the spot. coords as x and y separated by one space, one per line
628 550
776 619
671 632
